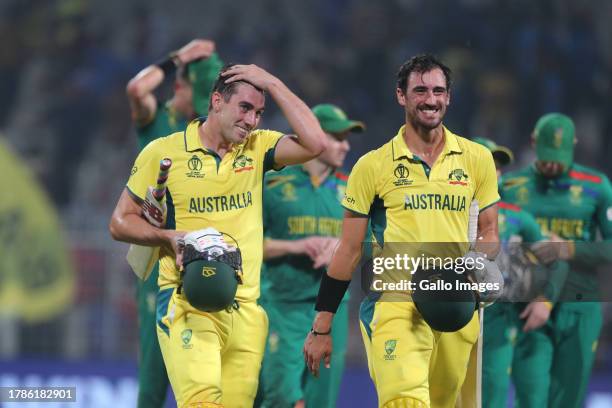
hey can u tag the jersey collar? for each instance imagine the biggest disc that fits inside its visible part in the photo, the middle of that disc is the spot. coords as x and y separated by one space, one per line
192 137
400 150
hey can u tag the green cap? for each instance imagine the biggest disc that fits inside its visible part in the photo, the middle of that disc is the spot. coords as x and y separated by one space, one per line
334 120
445 310
500 153
209 286
202 76
554 138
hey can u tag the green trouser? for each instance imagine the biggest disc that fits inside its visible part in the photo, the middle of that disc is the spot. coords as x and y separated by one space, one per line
152 378
500 328
552 365
284 379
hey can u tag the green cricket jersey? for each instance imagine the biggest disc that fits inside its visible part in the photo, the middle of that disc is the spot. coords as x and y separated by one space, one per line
166 121
513 220
295 208
574 206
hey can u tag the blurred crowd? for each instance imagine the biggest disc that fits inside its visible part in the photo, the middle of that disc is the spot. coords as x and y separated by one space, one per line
64 65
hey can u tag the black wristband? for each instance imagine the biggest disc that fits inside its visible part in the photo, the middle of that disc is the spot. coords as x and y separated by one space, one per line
316 333
167 65
330 294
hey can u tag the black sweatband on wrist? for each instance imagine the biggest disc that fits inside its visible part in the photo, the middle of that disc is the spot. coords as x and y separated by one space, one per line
316 333
330 294
167 65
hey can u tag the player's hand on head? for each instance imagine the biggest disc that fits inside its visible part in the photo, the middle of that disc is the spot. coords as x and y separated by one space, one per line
317 348
250 73
535 314
195 49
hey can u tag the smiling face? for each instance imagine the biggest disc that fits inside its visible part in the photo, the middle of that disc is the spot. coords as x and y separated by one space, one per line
425 98
240 113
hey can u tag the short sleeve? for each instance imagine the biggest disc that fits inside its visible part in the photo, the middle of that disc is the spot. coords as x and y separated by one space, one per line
145 170
361 186
266 146
486 191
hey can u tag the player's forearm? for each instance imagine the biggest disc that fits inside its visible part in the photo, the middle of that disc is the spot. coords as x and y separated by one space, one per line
488 243
301 119
323 322
145 82
274 248
345 261
140 94
134 229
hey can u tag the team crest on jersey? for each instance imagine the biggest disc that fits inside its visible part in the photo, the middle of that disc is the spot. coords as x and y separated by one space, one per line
194 164
401 174
242 163
522 195
458 177
288 191
134 170
575 194
390 349
186 338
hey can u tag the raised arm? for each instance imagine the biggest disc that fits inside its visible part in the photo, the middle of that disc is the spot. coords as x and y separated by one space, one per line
309 139
143 103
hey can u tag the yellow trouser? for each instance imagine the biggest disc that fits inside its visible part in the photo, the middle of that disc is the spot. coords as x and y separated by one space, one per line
212 359
407 358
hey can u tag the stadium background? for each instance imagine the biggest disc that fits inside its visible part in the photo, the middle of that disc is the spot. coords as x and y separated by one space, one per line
68 316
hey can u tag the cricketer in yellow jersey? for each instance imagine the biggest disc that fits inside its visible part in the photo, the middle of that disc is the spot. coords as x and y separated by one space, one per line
416 188
216 181
195 66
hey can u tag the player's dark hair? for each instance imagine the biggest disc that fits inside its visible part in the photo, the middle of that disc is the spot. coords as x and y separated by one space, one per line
227 89
421 63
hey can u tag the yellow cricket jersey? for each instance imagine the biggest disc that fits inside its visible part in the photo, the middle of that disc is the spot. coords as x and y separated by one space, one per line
409 202
207 191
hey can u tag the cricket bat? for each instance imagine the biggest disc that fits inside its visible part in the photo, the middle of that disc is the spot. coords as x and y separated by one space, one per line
470 395
142 259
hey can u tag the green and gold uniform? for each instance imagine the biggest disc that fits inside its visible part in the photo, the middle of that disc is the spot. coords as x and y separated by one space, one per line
407 201
552 365
152 377
207 357
296 207
502 324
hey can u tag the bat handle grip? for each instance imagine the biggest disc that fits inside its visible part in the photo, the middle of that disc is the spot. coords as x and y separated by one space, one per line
160 190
